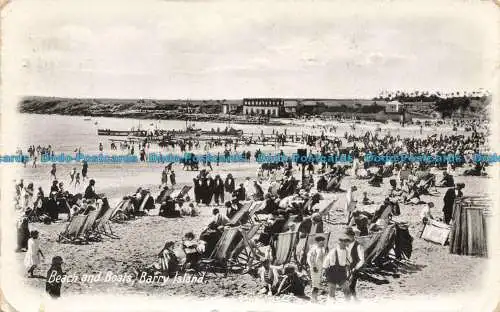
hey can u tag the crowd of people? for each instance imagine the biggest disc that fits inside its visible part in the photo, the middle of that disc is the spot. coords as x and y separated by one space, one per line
288 204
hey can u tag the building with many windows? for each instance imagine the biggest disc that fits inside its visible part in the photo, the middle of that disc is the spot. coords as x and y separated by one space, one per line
263 106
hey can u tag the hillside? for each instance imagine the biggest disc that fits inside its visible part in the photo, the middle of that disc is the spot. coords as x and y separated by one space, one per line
177 109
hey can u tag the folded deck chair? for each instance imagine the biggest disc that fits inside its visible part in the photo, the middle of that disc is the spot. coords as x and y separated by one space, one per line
240 214
283 247
221 256
74 230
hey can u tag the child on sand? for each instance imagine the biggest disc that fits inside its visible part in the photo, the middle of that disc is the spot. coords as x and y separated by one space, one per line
32 258
77 179
53 172
54 276
72 176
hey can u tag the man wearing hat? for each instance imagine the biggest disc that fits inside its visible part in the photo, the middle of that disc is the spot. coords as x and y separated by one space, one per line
449 200
356 259
336 264
315 259
52 209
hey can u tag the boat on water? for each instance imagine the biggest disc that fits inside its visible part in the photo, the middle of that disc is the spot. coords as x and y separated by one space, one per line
191 131
87 119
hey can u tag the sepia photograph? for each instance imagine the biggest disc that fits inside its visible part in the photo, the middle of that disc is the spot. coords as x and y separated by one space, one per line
330 154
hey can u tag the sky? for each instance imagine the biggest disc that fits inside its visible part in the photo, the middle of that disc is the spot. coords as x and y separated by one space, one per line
236 49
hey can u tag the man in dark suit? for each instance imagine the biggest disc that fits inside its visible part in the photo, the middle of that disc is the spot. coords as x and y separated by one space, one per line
218 190
449 201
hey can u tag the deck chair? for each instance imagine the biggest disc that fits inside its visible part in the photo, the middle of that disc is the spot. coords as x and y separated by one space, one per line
89 228
245 254
307 242
103 224
163 196
283 247
185 189
240 214
256 206
220 258
74 230
334 184
142 206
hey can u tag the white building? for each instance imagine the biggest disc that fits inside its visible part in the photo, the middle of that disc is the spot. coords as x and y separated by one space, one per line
393 107
263 106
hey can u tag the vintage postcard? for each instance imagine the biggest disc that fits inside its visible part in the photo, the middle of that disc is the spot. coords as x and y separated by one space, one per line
249 156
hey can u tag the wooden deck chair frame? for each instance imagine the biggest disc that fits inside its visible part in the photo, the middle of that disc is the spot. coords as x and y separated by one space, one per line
283 247
144 201
245 253
74 230
161 199
256 206
185 189
236 219
103 224
221 254
89 229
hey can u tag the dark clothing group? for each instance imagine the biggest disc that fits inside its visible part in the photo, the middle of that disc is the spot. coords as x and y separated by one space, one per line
207 189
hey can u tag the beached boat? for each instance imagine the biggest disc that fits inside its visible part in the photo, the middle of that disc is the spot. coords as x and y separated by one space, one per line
87 119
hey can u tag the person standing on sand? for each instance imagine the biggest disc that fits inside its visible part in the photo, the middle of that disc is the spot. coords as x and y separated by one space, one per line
356 259
54 276
32 257
172 177
85 168
164 177
315 259
218 190
335 266
77 179
350 203
53 172
72 176
229 184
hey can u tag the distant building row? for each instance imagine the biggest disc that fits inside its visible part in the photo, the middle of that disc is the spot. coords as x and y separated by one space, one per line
275 107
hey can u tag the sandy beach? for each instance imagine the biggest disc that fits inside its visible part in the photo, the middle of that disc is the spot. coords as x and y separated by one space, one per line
141 239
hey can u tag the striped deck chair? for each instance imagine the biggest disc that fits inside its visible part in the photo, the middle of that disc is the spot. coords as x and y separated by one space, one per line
89 228
142 206
239 215
221 256
185 189
163 196
74 230
103 224
283 247
305 244
245 254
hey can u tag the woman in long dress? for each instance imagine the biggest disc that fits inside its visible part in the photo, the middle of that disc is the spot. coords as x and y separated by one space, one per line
32 258
23 234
